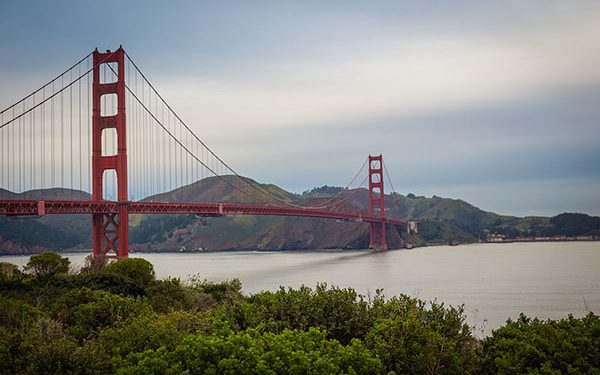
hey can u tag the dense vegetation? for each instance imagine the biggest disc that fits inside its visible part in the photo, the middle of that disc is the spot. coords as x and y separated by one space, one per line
28 233
454 220
118 318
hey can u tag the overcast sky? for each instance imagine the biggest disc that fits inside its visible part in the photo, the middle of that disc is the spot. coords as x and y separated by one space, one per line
496 103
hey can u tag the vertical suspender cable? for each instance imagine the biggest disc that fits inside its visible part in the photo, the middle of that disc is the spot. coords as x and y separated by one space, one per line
88 130
20 154
31 150
11 172
138 145
130 144
163 160
131 159
11 157
52 139
186 176
177 157
32 181
167 159
71 134
181 159
162 168
62 141
146 143
156 159
79 137
148 153
4 160
165 165
2 167
148 150
43 157
143 150
169 151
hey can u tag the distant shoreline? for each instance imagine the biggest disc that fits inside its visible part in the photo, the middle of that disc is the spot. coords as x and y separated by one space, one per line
428 244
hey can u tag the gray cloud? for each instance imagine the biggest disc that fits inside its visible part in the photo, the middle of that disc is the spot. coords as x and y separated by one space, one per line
466 99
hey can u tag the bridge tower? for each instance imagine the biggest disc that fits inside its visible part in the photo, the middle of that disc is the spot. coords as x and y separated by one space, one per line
110 233
376 202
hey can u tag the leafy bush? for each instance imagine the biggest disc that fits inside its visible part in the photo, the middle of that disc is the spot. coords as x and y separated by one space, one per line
342 313
567 346
169 294
229 290
138 270
149 331
412 338
85 311
253 352
47 264
110 282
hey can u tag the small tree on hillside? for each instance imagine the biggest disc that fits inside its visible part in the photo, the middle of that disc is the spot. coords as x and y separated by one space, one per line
47 264
139 270
94 264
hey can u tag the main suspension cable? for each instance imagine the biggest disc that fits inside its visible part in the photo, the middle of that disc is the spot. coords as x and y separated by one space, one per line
184 147
51 97
47 84
242 178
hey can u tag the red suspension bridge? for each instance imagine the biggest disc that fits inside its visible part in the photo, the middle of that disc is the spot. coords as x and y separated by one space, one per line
102 127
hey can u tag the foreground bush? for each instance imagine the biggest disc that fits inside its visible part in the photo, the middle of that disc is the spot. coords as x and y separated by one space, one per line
567 346
253 352
117 318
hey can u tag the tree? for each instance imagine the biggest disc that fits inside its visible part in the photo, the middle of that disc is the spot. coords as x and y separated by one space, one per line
342 313
85 311
139 270
228 290
149 331
567 346
9 270
110 282
94 264
169 294
47 264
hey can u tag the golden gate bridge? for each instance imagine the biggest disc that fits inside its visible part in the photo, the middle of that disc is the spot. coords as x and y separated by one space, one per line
101 126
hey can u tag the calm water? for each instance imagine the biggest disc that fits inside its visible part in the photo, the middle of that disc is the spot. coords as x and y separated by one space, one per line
493 281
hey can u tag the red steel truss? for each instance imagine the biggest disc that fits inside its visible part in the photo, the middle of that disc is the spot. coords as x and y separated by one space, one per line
34 207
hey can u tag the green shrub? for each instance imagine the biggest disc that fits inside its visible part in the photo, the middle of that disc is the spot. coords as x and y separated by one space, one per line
136 269
47 264
252 352
85 311
550 347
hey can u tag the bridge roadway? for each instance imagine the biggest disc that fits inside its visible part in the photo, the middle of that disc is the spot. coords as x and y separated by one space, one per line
57 207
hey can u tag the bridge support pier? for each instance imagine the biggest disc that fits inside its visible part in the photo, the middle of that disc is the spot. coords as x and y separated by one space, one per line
377 237
110 237
376 203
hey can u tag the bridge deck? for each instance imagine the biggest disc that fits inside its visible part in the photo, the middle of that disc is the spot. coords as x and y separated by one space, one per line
35 207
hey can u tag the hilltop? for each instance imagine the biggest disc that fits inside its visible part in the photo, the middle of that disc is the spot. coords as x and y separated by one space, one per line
443 220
